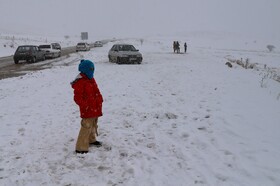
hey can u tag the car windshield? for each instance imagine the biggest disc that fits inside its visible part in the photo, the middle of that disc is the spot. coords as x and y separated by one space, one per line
127 48
24 48
45 46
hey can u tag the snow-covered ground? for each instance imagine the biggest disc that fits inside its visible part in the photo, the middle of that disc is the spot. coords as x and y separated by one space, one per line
175 120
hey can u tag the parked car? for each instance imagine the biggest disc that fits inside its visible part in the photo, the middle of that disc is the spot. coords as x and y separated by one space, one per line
56 46
98 44
30 53
51 52
124 53
82 47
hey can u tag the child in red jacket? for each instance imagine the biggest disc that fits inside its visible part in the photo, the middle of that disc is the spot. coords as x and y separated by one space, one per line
89 99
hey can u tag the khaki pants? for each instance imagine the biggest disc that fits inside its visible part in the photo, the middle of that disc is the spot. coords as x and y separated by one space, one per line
87 133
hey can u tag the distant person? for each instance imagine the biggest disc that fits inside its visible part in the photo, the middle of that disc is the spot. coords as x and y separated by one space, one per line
89 99
178 47
174 46
185 46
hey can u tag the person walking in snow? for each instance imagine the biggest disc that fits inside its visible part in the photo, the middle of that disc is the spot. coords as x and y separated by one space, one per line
185 46
89 99
178 46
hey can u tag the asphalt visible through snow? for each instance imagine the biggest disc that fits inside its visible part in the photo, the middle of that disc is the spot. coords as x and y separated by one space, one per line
9 69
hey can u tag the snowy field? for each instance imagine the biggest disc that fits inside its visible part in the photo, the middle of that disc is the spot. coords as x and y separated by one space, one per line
175 120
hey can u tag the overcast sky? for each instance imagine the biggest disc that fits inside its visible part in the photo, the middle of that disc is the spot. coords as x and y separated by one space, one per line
115 18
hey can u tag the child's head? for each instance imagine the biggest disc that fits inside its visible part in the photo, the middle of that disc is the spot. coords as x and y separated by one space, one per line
87 67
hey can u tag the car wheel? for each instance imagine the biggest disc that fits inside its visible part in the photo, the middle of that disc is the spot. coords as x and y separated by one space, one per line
110 60
118 60
33 60
16 61
43 58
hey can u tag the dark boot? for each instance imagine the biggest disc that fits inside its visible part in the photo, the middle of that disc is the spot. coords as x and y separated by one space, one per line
81 152
96 144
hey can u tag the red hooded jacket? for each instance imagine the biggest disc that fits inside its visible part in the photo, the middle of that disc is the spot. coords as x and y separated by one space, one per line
87 96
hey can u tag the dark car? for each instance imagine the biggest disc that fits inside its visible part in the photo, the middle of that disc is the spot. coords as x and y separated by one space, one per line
30 53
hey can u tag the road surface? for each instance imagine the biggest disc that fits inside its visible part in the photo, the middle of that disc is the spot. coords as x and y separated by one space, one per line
9 69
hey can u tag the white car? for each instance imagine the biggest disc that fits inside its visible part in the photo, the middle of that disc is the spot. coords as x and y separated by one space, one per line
82 47
98 44
51 51
124 53
56 46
